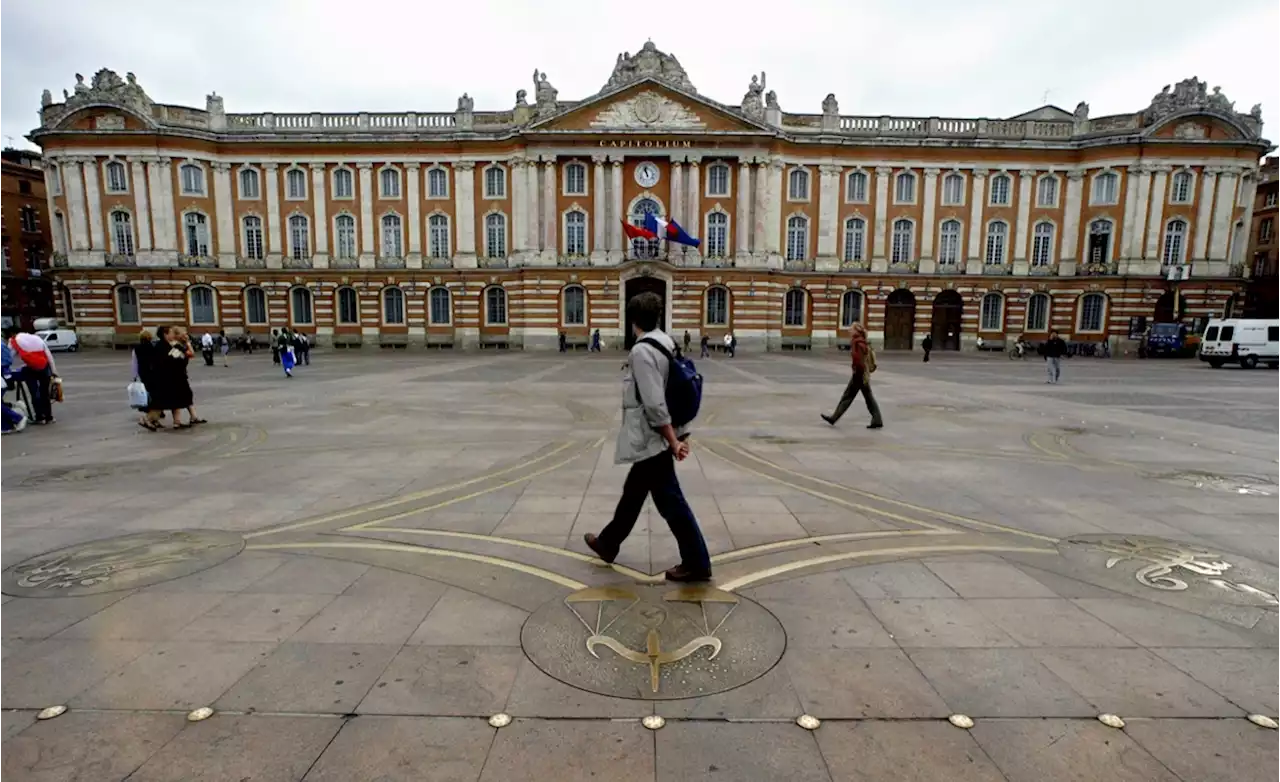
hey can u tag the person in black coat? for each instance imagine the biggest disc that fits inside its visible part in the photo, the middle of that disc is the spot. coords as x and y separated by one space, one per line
927 346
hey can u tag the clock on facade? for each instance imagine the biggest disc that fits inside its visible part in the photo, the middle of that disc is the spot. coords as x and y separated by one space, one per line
647 174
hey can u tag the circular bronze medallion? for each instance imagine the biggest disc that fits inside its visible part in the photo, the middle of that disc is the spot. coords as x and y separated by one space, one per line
654 642
126 562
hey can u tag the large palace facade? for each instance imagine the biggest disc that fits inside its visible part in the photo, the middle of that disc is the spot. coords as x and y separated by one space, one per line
473 228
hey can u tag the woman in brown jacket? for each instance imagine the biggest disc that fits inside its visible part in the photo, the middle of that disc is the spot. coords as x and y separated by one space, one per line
863 360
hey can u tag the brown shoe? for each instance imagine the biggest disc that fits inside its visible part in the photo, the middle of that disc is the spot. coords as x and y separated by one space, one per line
681 574
593 543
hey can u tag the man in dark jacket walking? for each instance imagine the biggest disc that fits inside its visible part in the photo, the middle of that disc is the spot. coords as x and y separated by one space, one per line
1053 349
927 346
860 353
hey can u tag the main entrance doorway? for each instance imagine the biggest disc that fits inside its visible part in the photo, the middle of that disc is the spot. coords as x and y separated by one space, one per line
899 320
948 308
634 287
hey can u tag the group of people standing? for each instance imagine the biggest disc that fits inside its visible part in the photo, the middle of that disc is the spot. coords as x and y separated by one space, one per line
160 364
289 348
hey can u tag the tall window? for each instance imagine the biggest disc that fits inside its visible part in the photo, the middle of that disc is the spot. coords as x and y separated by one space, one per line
127 311
997 233
949 243
253 237
718 306
993 312
27 215
718 180
1175 241
953 190
1092 308
575 233
393 307
903 235
855 239
121 233
797 237
850 308
495 182
1000 186
1047 192
1100 241
437 183
348 306
300 306
295 184
495 307
255 306
250 186
55 179
1106 188
575 306
299 237
438 236
794 308
60 227
1180 190
798 187
495 236
575 179
1038 313
390 181
904 191
192 179
197 229
856 187
1042 245
344 183
644 248
441 311
391 238
117 179
345 230
203 310
717 242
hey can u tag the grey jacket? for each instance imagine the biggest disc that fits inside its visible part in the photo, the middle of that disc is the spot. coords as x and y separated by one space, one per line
646 370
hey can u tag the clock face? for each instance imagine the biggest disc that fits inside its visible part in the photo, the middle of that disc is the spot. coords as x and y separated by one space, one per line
647 174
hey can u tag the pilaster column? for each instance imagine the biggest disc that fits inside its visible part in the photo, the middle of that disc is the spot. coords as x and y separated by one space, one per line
1208 179
773 227
275 238
519 208
927 231
142 210
368 250
976 230
50 166
1248 194
93 205
550 214
1155 216
742 220
412 192
1071 216
320 206
1026 184
617 250
464 207
224 216
77 217
828 207
599 205
693 204
676 196
760 212
882 214
1135 211
533 216
1223 210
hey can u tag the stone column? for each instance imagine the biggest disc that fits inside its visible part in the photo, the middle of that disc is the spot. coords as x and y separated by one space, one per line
1071 224
760 212
464 207
742 234
617 249
879 260
77 217
693 204
1248 194
773 226
551 214
1208 179
93 205
928 264
368 249
320 206
1155 217
519 209
141 208
828 207
599 206
533 212
1223 210
50 166
175 231
973 261
1026 185
675 201
1135 213
413 197
275 234
224 216
159 226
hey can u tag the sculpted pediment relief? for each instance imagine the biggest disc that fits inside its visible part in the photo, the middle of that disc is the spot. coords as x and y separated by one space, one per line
648 110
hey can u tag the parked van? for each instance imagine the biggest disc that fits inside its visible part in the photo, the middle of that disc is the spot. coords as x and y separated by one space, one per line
1243 342
56 335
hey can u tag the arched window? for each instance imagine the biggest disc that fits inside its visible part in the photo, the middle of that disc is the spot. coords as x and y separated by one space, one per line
1106 188
192 179
255 306
903 239
55 179
856 187
62 242
993 312
204 309
575 233
249 183
295 180
1038 313
344 183
575 179
855 239
495 235
348 306
1180 190
300 311
904 192
299 237
644 248
794 308
850 308
1093 309
252 237
437 183
1000 186
438 236
127 310
345 233
1100 241
717 180
441 307
389 178
1047 192
997 233
495 307
69 309
953 190
717 306
949 243
392 245
121 233
197 230
797 237
575 306
798 185
495 182
1042 245
117 177
717 242
393 306
1175 242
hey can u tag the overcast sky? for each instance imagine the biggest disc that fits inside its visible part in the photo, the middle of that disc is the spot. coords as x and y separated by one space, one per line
990 58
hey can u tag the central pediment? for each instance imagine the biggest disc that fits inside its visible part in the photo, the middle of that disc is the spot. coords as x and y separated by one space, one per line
647 110
649 106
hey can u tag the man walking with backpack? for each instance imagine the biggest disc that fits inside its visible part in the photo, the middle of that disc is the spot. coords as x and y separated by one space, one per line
661 393
864 363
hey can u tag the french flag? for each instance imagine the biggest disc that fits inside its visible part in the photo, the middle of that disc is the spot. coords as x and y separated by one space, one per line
669 230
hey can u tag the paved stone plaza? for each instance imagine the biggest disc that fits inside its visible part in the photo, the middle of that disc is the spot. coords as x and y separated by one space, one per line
358 567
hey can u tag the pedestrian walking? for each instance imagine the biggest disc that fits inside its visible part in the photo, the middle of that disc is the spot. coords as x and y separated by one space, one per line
595 341
864 363
207 345
224 346
927 346
564 342
275 346
143 366
687 342
1053 350
288 358
652 440
171 366
705 345
38 372
303 343
14 418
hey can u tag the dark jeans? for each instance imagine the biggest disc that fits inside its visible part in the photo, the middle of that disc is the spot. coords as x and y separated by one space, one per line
856 384
927 351
208 356
657 476
37 381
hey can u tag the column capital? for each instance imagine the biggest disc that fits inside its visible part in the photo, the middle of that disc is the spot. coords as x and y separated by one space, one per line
273 167
832 169
980 173
616 160
464 165
744 162
695 160
407 166
676 160
776 164
1075 176
1027 173
363 165
1212 172
549 165
1135 169
220 167
136 160
599 158
932 173
164 160
1161 169
883 171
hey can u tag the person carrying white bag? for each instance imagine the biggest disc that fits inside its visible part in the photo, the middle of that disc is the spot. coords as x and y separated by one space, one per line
139 397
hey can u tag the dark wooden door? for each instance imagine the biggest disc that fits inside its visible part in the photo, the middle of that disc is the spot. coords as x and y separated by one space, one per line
636 286
948 309
899 320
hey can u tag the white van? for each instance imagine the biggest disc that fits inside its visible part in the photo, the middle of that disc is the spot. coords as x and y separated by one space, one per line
1243 342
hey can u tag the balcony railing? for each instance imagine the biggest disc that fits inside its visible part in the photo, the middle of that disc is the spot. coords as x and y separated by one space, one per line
1097 269
389 262
118 260
799 265
719 262
996 269
197 262
297 263
438 263
575 260
904 267
250 263
856 266
494 263
1048 270
344 263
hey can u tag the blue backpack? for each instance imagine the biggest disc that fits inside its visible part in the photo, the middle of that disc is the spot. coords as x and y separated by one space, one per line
684 385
